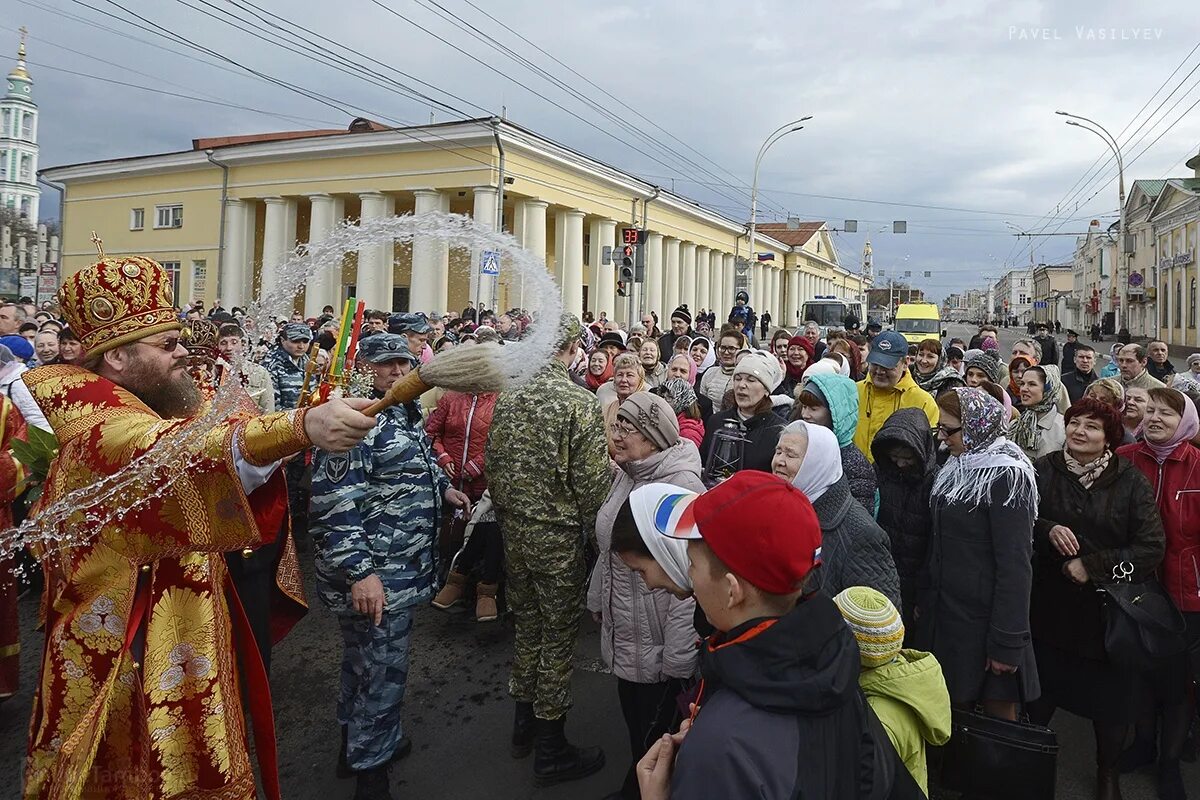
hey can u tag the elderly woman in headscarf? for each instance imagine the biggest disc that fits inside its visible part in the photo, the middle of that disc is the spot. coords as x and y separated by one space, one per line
647 637
855 551
832 401
1039 429
1095 512
973 601
680 395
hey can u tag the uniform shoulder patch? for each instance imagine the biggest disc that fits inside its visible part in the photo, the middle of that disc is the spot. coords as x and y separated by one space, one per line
337 467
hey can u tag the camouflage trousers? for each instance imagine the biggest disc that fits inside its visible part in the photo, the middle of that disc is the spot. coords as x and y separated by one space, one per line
374 676
546 584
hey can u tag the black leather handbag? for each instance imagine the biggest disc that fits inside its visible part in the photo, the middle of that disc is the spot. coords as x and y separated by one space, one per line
992 757
1142 624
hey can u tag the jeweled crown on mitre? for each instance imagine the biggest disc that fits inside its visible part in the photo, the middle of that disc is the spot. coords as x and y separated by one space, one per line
118 300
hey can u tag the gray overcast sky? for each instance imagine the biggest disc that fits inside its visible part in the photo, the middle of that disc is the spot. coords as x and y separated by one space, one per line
927 103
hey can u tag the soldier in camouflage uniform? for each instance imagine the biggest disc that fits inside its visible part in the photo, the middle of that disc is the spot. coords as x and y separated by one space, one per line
375 513
547 467
286 365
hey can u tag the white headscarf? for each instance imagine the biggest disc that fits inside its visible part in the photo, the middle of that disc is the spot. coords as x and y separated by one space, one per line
659 535
822 464
710 355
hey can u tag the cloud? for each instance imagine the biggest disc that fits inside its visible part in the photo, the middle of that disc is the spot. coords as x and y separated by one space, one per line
931 103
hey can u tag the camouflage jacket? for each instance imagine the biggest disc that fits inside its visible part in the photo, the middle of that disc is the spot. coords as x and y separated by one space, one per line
375 510
287 376
547 454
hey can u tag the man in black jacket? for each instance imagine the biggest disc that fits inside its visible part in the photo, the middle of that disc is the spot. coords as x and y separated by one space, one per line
1068 349
1078 379
1049 346
780 713
681 325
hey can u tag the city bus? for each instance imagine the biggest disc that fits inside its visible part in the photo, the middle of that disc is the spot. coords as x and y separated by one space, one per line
830 313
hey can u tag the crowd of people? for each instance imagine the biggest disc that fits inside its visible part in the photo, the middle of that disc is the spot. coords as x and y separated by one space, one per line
801 551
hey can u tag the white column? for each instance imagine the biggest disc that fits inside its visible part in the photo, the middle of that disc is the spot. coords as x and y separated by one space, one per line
687 276
717 286
776 292
725 299
793 298
671 276
654 276
482 287
324 285
374 284
232 280
533 239
568 255
602 285
703 279
429 284
280 221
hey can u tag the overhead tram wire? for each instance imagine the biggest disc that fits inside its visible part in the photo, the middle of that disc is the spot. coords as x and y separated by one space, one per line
531 90
599 88
1107 157
336 105
538 70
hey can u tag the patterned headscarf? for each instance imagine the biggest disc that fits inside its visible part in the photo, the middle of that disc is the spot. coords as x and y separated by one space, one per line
985 364
1026 433
987 457
679 393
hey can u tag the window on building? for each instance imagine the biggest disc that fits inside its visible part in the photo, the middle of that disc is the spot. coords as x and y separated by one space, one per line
168 216
172 268
5 122
26 207
137 219
1192 305
199 279
3 165
1165 319
27 126
1022 284
1179 303
26 169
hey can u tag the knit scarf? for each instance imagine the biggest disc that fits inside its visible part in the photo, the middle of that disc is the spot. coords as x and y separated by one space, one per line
1087 473
1025 433
988 456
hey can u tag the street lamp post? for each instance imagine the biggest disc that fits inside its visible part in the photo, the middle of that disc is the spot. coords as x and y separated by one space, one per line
776 135
1122 264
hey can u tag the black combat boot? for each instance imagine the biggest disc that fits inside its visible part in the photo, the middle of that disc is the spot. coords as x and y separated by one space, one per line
556 760
522 734
373 784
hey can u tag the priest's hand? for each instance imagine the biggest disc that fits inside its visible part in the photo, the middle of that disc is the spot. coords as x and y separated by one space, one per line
339 424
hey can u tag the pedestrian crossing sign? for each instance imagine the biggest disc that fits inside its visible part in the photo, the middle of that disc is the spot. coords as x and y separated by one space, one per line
489 262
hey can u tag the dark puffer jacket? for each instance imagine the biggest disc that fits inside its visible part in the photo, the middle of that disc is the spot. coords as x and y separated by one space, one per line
904 494
761 432
854 549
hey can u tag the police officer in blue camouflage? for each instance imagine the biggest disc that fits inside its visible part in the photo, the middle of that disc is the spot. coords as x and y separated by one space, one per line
286 364
374 516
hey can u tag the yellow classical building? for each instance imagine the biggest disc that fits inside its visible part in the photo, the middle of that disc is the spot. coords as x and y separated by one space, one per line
223 214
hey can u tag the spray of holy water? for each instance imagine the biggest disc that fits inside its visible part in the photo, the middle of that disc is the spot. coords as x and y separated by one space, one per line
76 517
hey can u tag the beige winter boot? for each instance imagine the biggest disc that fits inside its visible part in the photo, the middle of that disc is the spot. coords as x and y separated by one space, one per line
485 602
452 593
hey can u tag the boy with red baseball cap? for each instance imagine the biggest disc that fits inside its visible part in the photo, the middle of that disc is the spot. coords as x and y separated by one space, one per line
780 714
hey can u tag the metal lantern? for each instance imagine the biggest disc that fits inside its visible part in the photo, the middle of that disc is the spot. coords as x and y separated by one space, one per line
725 456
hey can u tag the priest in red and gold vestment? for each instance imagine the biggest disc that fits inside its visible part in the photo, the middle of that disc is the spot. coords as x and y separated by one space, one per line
12 426
139 693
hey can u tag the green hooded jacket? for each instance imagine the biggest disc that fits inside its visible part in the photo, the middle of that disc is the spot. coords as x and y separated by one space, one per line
910 698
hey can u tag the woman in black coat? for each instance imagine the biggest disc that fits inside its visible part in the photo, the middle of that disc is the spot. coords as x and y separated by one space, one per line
754 377
973 598
1096 510
905 465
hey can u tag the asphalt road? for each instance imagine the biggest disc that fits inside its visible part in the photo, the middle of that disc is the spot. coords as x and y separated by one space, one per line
458 714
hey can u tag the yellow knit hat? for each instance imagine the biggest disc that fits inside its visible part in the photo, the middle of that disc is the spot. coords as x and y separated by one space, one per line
876 624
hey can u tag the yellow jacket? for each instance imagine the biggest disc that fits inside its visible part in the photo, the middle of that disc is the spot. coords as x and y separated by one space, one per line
876 405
